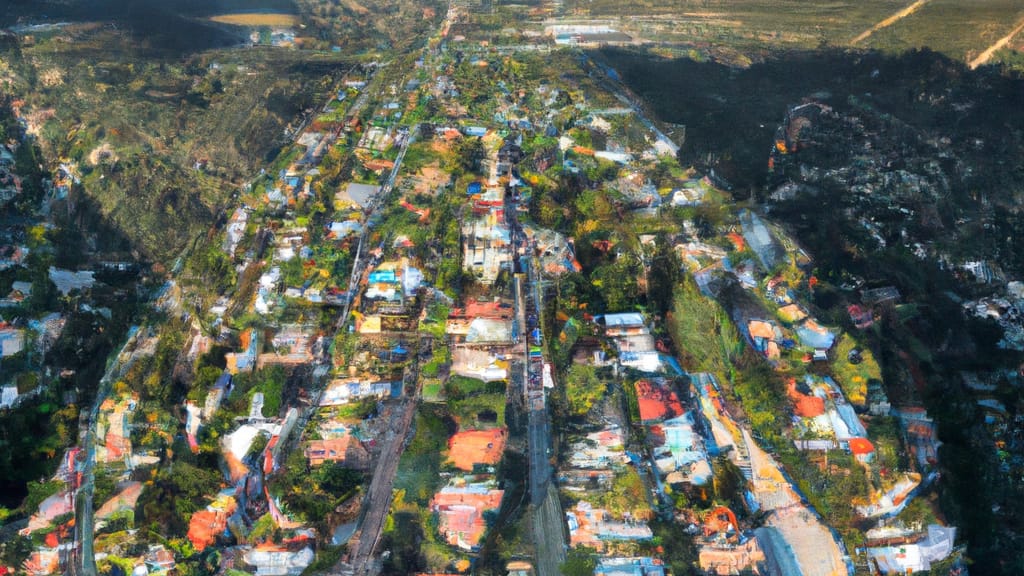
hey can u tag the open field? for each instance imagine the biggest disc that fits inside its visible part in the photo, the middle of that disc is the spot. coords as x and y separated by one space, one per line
960 30
256 19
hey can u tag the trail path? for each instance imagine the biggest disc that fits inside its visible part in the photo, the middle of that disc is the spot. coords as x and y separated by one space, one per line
890 20
1002 42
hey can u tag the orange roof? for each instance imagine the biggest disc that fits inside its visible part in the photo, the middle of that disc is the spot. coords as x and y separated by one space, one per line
204 527
379 164
245 338
656 403
761 329
480 309
803 405
737 240
466 449
461 514
333 450
860 446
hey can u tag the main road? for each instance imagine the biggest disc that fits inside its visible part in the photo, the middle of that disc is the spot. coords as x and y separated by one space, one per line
548 520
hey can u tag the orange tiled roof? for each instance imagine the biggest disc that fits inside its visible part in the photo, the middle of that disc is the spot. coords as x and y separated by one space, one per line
656 402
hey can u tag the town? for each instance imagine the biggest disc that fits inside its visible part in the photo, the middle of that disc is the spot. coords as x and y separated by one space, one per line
475 317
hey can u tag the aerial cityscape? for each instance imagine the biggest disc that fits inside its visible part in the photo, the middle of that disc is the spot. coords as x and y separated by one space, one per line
525 288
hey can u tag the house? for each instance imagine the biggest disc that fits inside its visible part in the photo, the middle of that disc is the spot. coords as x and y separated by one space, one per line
632 339
510 152
766 338
617 157
681 455
159 559
461 509
42 562
861 317
273 560
245 360
599 450
688 196
345 390
235 230
936 546
8 396
346 450
206 525
644 566
122 501
49 329
862 449
589 526
20 291
814 335
880 296
12 341
623 324
760 239
340 230
215 395
656 401
473 362
485 244
67 281
731 558
51 508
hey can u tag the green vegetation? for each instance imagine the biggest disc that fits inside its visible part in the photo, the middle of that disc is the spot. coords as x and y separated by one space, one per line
311 495
831 487
579 561
177 491
678 549
854 378
583 389
422 459
458 388
693 318
627 495
479 411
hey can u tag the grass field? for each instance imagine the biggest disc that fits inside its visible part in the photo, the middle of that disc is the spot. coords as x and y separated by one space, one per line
958 29
256 19
961 30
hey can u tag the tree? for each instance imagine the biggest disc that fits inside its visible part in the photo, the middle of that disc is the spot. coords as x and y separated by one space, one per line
579 561
583 389
39 491
264 529
664 273
176 493
729 483
470 153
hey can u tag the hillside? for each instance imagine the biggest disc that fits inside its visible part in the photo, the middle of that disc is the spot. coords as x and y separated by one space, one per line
160 119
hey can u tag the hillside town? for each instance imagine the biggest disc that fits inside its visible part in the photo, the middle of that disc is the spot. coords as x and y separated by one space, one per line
477 318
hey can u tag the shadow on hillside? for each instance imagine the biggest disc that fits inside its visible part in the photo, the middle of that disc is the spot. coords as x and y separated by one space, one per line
731 114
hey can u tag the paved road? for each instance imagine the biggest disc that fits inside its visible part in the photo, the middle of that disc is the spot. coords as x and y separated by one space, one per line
549 527
84 531
377 501
548 520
